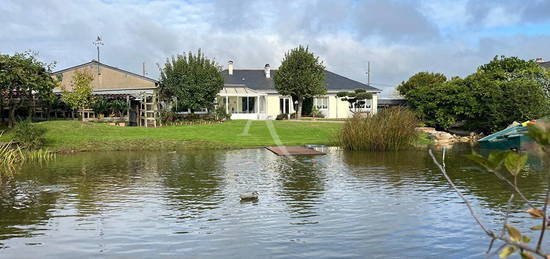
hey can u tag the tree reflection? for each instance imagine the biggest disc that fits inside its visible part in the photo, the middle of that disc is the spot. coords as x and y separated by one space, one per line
193 180
414 169
302 183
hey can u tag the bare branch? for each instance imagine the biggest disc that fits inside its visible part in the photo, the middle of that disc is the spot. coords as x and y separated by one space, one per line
501 177
508 207
442 169
544 217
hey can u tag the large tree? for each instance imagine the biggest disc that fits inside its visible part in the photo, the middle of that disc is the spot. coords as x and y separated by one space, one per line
420 79
498 93
193 79
80 96
301 75
23 80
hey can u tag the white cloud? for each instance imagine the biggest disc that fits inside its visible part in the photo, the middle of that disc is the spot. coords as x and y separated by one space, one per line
400 38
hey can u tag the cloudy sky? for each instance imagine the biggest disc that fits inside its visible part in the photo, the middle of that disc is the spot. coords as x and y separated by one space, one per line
398 37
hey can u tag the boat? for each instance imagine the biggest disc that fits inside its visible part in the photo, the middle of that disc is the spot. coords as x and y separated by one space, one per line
511 138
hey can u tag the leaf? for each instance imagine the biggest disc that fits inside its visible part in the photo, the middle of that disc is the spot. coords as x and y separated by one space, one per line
525 239
507 251
539 227
515 162
536 213
538 134
492 162
526 255
515 235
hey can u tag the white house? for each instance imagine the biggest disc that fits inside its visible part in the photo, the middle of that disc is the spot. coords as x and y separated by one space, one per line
250 94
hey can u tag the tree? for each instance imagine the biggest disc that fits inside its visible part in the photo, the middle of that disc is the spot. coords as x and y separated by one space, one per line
80 97
301 75
498 93
420 79
193 79
355 98
22 79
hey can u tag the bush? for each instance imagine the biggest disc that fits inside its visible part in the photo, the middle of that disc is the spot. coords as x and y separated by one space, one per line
167 116
316 113
28 135
221 114
282 117
389 130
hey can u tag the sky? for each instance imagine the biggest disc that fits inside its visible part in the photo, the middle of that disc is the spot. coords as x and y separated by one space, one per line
398 37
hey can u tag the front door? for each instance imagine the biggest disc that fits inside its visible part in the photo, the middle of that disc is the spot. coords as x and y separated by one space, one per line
284 105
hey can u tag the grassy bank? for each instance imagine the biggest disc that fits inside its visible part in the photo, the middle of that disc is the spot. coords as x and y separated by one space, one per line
67 136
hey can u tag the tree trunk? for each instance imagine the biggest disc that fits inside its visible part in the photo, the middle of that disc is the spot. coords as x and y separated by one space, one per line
299 108
11 119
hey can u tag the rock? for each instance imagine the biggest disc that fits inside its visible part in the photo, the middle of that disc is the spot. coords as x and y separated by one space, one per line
442 136
249 196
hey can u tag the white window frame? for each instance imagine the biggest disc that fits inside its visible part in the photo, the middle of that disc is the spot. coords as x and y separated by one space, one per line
321 103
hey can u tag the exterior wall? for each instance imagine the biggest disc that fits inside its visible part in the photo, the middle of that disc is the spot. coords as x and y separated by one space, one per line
272 105
110 79
338 109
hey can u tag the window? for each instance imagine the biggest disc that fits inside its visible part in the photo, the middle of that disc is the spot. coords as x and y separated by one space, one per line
321 103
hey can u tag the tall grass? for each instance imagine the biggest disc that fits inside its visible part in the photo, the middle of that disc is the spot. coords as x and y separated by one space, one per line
12 157
389 130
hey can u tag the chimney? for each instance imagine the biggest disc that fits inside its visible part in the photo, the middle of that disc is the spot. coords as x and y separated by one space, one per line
267 71
230 67
539 60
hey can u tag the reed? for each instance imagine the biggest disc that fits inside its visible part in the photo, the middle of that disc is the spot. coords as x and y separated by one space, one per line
12 157
389 130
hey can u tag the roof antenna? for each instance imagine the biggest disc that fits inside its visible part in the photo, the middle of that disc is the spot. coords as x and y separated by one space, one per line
368 73
98 42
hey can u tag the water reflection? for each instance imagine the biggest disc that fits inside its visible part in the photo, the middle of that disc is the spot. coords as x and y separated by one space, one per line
141 204
193 181
302 180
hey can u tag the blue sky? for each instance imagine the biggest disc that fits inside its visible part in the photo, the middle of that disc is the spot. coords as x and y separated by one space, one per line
398 37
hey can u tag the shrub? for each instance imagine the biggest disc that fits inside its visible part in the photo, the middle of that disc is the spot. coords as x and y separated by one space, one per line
282 117
389 130
316 113
28 135
221 114
167 116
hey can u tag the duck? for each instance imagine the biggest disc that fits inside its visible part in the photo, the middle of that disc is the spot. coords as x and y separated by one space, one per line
249 196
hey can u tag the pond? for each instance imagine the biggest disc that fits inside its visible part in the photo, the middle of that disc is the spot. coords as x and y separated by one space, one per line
186 204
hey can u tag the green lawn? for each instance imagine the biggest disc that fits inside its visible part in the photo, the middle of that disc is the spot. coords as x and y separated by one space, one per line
80 136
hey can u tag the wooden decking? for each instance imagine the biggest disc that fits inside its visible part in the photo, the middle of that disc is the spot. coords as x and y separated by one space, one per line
293 150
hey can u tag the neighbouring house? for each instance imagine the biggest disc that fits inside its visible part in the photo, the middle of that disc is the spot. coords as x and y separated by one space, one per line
138 91
384 103
251 94
543 63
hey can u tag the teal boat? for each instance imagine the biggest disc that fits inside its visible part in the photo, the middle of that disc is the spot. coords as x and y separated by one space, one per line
510 138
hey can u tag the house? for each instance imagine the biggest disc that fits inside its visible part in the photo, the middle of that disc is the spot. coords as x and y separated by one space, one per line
542 63
251 94
113 83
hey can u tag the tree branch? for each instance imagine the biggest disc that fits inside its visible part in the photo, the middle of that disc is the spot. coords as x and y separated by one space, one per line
544 217
442 169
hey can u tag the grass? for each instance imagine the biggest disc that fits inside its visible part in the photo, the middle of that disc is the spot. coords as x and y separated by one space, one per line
68 136
389 130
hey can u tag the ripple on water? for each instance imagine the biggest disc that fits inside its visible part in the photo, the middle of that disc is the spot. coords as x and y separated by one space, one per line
187 204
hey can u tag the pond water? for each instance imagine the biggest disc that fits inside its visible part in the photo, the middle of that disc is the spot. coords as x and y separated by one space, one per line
186 204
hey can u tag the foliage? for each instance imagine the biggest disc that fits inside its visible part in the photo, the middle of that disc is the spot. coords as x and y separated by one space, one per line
389 130
28 135
12 157
498 93
167 116
316 113
355 98
221 114
118 107
101 106
80 96
23 77
282 117
301 75
422 79
510 163
193 79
